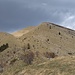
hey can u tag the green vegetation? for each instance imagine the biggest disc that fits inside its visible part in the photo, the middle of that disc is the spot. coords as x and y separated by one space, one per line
3 47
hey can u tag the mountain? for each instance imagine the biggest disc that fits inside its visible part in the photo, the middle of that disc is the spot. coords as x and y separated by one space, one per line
50 37
45 49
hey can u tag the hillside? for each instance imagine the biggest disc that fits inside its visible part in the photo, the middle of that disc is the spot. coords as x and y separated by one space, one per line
9 48
50 37
57 66
46 49
23 31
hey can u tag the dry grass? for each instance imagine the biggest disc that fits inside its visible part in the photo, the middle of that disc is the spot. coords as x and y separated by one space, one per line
23 31
56 66
42 38
46 37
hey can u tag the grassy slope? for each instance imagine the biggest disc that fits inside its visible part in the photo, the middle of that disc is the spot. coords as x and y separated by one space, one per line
13 49
60 44
23 31
56 66
38 36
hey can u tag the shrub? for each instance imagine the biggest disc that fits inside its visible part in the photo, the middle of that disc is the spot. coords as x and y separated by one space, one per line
50 27
49 54
13 61
28 57
59 33
47 40
28 46
14 52
70 53
3 47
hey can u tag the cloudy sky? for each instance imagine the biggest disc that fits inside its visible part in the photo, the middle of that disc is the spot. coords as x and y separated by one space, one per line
18 14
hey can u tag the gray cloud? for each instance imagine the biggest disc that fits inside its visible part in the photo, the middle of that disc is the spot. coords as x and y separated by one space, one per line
17 14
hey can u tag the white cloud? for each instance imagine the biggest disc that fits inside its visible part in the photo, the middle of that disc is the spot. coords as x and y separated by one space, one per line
69 21
16 14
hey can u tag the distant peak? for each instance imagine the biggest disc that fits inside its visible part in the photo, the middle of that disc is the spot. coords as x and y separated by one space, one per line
45 23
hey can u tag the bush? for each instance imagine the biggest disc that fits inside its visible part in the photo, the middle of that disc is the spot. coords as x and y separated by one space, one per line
59 33
70 53
47 40
13 61
49 55
3 47
28 46
28 57
50 27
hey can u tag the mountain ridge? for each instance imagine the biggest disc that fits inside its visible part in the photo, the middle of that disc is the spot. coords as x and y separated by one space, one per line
46 31
43 23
